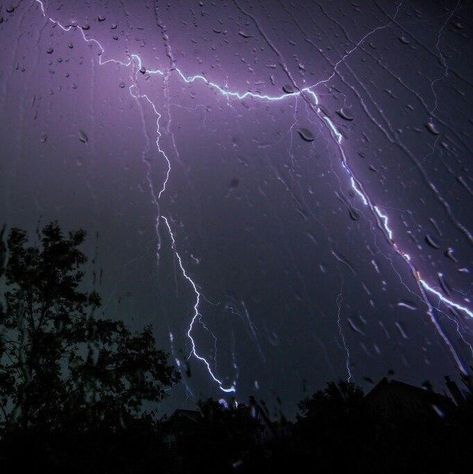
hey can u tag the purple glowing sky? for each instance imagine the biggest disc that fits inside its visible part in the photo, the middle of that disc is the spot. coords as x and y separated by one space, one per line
296 176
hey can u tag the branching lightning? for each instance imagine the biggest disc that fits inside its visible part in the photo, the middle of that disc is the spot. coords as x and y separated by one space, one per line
308 93
196 311
339 301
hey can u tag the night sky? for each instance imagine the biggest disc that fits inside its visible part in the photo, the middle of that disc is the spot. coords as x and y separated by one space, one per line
282 189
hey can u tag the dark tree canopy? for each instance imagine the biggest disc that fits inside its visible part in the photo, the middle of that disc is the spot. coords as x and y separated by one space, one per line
341 398
74 387
59 361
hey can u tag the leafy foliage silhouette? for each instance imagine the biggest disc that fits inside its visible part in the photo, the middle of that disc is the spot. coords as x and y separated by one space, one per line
73 388
60 363
216 438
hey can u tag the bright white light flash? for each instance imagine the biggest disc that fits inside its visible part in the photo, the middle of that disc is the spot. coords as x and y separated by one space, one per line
135 61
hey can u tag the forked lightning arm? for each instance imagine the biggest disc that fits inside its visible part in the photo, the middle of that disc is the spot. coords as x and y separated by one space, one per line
382 220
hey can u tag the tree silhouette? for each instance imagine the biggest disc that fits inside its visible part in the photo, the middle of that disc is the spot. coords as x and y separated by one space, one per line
216 438
59 363
337 398
331 427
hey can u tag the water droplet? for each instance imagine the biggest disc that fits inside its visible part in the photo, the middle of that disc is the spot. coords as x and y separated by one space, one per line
305 134
354 327
288 89
83 136
432 128
244 35
401 329
449 254
344 115
444 284
407 304
354 215
431 241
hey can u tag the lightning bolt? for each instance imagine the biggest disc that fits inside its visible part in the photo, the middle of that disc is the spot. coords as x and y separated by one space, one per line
339 301
196 311
307 93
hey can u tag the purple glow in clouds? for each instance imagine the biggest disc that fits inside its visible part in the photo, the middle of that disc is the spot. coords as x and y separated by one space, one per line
313 98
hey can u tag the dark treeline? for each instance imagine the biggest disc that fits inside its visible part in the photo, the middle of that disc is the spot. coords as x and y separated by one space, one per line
74 387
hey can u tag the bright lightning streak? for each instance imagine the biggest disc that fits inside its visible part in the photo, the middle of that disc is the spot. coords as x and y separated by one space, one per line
136 61
339 301
382 219
196 311
385 221
444 300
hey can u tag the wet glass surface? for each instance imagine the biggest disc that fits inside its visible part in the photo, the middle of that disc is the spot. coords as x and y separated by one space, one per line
283 189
